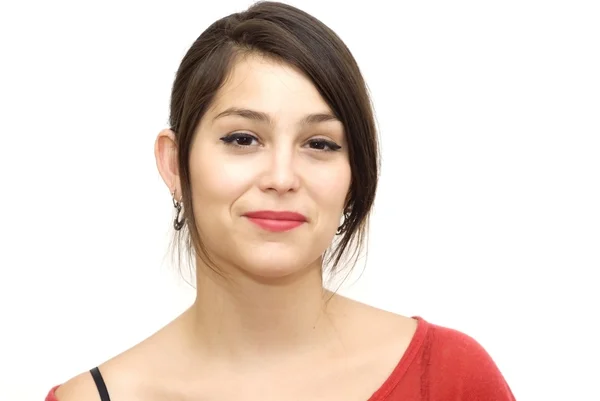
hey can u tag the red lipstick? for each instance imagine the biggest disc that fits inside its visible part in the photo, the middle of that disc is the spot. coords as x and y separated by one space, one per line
276 221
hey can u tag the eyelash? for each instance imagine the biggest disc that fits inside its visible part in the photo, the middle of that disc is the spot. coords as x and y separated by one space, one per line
233 140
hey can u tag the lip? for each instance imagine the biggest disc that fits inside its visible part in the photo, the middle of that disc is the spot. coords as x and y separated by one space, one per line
276 215
276 221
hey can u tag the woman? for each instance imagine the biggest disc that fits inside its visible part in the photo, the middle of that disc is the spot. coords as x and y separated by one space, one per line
272 163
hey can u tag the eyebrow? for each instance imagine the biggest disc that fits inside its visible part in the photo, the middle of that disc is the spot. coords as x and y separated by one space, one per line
262 117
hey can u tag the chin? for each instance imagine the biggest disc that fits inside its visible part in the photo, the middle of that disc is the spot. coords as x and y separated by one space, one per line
270 263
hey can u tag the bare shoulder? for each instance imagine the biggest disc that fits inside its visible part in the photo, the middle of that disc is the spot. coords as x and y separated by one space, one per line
376 340
375 325
122 375
79 388
126 375
363 313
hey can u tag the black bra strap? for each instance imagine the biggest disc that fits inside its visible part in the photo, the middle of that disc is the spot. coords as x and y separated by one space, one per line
100 384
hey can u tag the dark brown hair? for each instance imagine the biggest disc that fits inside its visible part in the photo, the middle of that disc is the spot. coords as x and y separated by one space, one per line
287 34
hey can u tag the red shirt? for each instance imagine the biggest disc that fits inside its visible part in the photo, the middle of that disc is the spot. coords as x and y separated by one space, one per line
439 364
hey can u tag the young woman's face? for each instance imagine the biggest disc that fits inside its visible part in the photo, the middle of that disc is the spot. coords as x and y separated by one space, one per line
269 143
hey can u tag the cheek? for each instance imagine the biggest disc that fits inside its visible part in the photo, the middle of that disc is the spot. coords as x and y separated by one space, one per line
216 183
331 186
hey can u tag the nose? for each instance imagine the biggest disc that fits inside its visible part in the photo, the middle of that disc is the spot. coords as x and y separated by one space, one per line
280 172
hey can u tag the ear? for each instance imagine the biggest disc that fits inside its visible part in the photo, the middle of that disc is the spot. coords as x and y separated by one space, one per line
165 152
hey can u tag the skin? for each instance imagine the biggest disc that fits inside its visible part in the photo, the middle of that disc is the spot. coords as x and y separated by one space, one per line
270 328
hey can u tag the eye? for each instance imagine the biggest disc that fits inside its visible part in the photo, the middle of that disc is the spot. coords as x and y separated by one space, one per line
239 139
323 145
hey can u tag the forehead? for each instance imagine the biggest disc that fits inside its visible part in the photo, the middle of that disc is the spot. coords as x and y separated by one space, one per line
271 86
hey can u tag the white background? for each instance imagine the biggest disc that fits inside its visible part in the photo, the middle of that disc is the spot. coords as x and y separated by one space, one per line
487 219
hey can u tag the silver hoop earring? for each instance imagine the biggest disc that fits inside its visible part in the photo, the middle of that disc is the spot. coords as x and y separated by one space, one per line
177 224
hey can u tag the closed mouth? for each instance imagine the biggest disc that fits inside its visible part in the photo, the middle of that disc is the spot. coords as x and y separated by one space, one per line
276 215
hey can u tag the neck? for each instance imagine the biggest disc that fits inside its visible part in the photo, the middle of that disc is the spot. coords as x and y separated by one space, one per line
243 317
